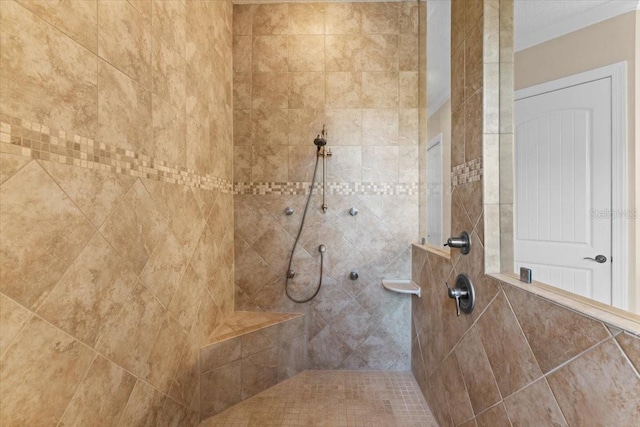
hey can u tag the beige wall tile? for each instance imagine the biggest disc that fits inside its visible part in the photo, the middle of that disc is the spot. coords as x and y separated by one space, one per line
473 113
134 228
343 90
215 399
144 406
144 7
408 18
166 266
473 61
380 18
12 318
186 383
165 353
88 298
379 52
169 18
130 341
457 24
124 39
301 163
76 19
169 132
456 393
408 122
270 90
306 90
380 89
343 18
168 69
269 54
96 193
345 164
379 164
534 402
53 83
304 125
477 373
379 127
102 395
555 334
306 18
269 163
599 388
242 164
242 19
494 417
631 346
270 19
408 164
242 90
513 363
343 52
124 111
30 375
184 305
10 164
306 52
408 52
269 127
259 372
457 79
344 126
34 259
408 89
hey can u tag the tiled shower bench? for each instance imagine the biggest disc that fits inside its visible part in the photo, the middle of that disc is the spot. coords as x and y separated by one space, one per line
248 353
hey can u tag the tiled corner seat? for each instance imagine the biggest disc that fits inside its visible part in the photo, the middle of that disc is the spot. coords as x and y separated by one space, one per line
248 353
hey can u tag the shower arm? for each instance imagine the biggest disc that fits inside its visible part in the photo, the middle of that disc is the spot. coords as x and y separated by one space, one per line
324 152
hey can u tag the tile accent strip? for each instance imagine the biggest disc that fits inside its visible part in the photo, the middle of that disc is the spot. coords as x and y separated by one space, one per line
467 172
28 139
340 188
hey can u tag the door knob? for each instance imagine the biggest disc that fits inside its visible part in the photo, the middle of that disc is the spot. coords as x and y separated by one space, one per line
599 258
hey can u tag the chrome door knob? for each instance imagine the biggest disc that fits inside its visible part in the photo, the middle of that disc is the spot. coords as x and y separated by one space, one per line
599 258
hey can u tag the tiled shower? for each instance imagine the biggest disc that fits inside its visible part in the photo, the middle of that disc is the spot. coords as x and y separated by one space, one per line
148 151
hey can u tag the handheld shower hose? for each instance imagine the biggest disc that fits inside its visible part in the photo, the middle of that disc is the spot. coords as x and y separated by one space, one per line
322 248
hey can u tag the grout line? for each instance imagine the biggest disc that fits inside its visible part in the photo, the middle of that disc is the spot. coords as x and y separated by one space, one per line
86 373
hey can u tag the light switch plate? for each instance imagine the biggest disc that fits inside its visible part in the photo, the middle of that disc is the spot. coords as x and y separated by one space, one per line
525 275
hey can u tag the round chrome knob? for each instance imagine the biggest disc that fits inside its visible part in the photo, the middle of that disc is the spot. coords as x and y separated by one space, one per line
288 211
353 211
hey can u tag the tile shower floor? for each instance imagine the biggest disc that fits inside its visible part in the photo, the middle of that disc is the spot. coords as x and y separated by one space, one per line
333 399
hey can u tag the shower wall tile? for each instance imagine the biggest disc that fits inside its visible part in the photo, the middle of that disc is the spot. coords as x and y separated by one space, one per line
118 93
124 39
270 19
380 89
77 19
123 105
343 18
306 52
380 18
524 360
343 90
343 52
343 71
33 258
30 374
306 90
306 18
169 18
55 82
104 378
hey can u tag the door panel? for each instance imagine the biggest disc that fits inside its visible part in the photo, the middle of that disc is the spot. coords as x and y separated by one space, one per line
563 175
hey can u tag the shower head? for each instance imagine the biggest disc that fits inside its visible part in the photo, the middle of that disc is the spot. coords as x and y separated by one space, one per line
321 139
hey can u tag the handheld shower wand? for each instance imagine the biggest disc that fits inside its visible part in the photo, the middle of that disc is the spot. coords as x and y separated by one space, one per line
321 142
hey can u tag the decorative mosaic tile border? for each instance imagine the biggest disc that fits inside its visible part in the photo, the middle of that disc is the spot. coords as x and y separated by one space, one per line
340 188
34 140
467 172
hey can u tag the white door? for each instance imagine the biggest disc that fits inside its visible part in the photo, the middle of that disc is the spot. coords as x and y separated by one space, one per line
563 187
